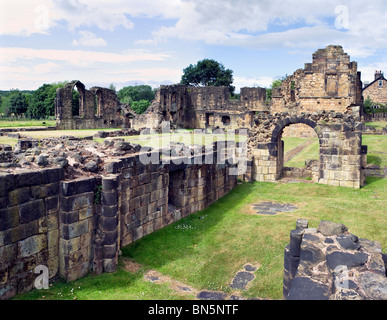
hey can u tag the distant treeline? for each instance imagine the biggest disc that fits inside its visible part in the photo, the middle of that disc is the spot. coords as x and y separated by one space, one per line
40 104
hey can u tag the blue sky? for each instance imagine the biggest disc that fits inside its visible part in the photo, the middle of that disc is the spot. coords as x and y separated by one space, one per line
128 42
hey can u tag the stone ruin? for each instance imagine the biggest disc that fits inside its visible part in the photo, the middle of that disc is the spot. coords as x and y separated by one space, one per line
71 204
73 208
98 108
324 98
329 263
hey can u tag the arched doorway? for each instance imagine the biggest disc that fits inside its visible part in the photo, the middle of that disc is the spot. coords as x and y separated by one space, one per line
78 98
290 138
300 150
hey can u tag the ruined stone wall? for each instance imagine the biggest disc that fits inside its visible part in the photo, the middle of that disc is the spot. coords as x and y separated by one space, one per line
79 225
97 108
329 263
29 228
330 82
202 107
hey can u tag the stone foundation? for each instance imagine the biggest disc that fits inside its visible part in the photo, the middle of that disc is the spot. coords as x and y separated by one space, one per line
329 263
76 226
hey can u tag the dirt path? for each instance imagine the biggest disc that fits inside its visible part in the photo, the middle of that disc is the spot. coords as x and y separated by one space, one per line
292 153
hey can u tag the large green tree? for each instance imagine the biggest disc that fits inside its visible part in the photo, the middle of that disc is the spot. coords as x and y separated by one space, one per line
208 72
138 98
18 103
43 101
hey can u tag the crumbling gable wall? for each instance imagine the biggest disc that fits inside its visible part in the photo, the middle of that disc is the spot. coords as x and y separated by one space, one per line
330 82
97 108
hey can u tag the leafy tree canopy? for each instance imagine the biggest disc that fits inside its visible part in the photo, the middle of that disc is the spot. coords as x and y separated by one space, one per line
208 72
138 98
42 102
275 84
18 103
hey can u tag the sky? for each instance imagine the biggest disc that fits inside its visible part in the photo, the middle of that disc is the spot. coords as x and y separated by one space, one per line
133 42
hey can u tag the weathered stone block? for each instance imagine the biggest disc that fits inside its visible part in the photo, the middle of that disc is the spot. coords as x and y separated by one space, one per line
109 211
76 202
110 251
329 228
27 179
110 237
19 196
85 213
51 175
32 245
9 218
68 217
70 231
31 211
68 246
8 253
51 203
108 223
109 198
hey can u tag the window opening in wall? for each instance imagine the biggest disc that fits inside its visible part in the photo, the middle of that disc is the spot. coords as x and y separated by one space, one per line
75 102
226 120
177 190
98 104
380 83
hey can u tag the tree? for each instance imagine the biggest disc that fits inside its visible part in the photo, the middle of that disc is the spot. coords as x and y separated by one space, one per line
140 106
43 101
112 87
275 84
208 72
137 97
18 103
368 104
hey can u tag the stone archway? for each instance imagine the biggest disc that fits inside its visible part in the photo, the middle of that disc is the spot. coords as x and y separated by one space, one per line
276 139
341 157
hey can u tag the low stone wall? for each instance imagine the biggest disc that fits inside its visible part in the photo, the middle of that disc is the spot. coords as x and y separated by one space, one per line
29 228
329 263
76 226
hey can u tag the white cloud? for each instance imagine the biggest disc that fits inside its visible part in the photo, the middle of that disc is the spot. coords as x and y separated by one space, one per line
240 82
24 17
29 68
89 39
245 23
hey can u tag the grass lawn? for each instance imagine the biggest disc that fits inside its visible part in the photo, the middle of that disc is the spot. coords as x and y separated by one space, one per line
377 150
377 124
26 123
206 249
309 153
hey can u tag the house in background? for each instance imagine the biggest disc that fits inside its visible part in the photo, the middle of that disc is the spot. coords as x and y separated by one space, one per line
377 89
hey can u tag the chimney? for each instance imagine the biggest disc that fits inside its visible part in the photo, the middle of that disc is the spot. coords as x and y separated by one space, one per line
378 75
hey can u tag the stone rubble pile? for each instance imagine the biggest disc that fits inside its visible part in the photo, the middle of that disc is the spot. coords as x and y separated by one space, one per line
329 263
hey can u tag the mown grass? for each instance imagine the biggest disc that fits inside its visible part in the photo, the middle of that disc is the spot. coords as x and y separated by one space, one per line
308 153
26 123
377 124
377 150
206 249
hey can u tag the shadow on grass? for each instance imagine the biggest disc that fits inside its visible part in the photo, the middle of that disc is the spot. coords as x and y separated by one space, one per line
178 240
375 160
373 180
